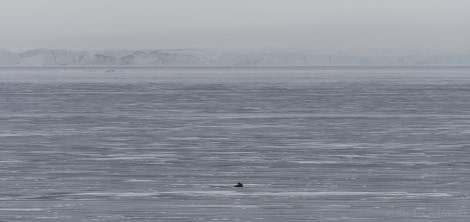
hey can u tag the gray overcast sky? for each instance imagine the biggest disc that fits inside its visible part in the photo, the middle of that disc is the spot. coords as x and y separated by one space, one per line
236 24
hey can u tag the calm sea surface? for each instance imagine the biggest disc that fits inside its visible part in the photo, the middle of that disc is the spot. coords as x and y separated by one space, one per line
168 144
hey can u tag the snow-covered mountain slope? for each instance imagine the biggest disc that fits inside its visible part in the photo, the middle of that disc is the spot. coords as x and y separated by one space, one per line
41 57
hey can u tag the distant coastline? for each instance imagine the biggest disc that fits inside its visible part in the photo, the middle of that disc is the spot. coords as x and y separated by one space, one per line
192 57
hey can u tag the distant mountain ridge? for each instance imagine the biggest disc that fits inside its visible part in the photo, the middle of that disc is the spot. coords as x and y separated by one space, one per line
183 57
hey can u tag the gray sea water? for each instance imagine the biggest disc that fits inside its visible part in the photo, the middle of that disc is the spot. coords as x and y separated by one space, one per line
168 143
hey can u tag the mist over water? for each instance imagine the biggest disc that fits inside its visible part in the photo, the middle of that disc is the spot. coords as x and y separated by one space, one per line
168 143
426 26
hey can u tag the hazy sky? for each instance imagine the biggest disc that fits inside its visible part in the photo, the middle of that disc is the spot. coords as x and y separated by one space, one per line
235 24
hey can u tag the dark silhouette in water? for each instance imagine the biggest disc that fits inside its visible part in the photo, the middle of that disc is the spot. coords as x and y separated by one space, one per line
239 185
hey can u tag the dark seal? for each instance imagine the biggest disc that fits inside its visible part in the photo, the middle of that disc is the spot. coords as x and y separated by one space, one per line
239 185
